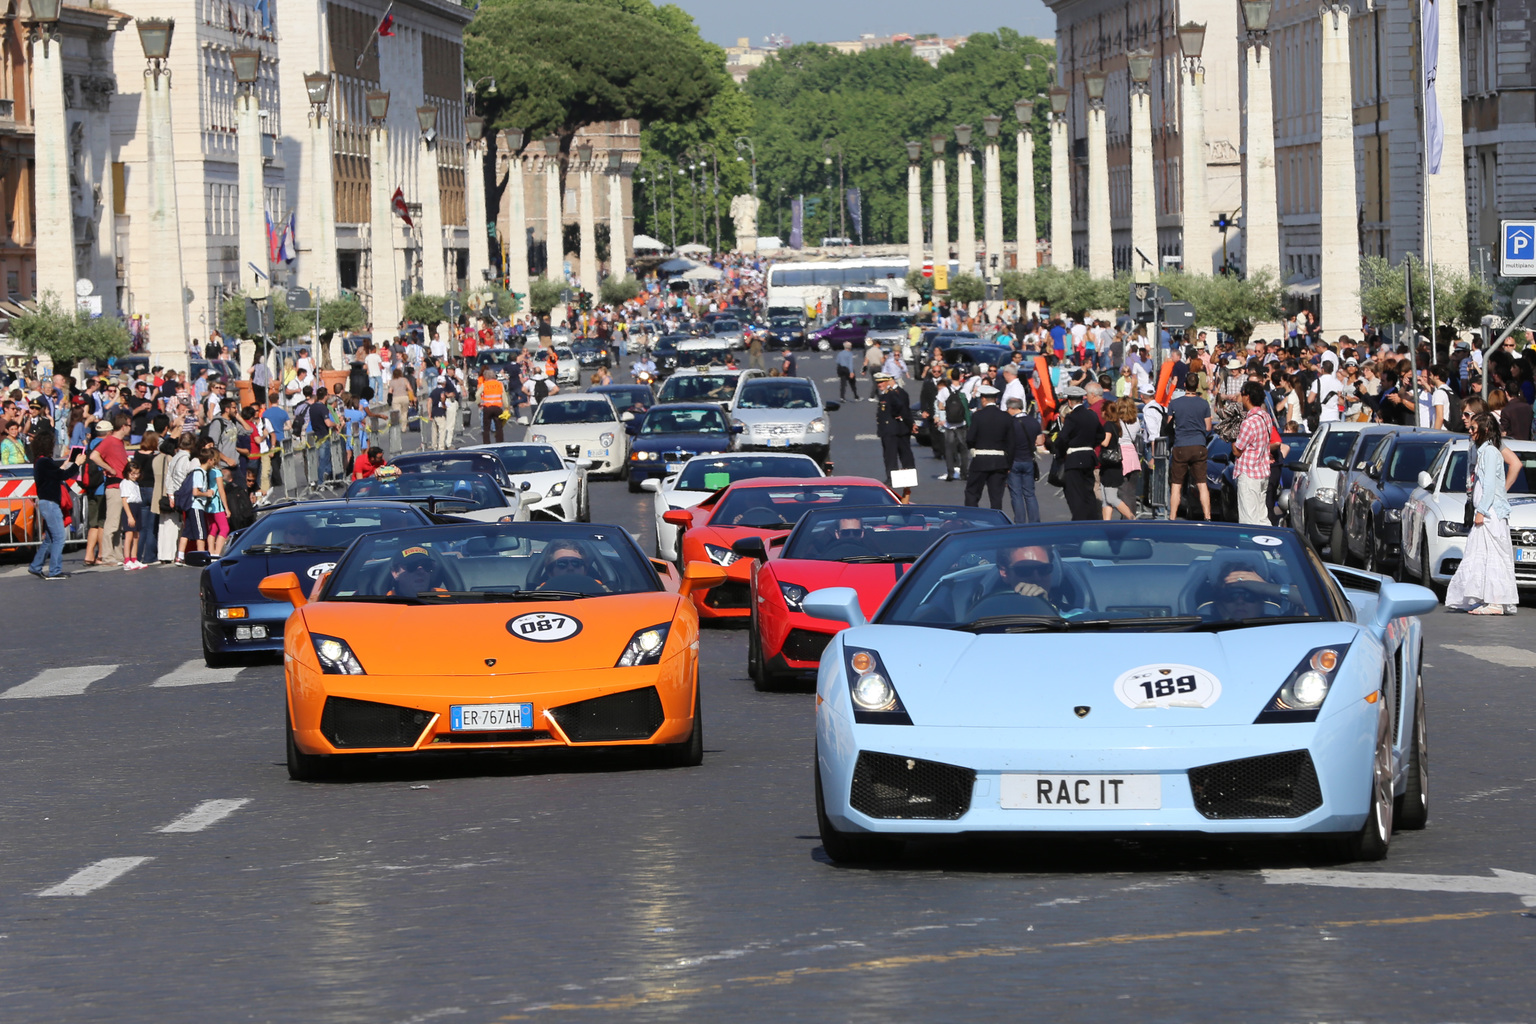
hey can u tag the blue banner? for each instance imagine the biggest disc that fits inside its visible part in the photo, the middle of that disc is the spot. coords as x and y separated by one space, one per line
856 213
797 223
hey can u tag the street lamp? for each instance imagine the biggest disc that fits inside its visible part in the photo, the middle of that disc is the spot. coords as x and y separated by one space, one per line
513 137
831 147
991 124
1059 97
474 127
940 144
584 152
378 106
1093 82
963 135
615 161
551 146
743 142
426 118
1024 110
155 38
1140 62
1192 42
1256 17
318 85
247 67
471 91
914 150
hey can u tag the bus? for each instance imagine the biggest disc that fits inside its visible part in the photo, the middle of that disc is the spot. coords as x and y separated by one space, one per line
871 284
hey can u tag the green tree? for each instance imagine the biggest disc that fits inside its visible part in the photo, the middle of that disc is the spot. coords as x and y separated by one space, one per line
1070 292
966 288
232 316
343 313
616 291
68 336
1231 304
1461 301
544 295
424 309
919 284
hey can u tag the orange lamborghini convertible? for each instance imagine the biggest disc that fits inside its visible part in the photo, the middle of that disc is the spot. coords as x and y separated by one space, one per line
492 636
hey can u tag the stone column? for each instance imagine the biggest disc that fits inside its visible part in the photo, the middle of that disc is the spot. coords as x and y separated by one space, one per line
1198 247
55 220
915 214
1261 227
1101 257
1143 190
322 274
992 204
474 215
1061 194
554 221
618 244
940 205
1339 310
516 242
587 219
384 305
164 305
1026 212
434 277
965 226
255 254
1448 189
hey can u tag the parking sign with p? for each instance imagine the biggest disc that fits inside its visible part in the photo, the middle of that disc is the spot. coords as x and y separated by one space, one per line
1517 248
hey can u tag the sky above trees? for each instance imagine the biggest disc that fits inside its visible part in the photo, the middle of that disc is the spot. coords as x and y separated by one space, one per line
722 21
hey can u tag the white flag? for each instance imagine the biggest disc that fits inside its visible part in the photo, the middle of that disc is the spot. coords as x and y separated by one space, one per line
1434 128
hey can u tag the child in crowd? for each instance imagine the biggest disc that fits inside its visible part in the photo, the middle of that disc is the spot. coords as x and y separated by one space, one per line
133 516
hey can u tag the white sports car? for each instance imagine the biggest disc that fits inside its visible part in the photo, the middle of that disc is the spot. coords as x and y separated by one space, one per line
1433 532
703 475
561 484
1120 678
581 426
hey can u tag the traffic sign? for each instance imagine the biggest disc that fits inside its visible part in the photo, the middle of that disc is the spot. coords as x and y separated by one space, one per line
1177 315
1517 248
298 298
452 308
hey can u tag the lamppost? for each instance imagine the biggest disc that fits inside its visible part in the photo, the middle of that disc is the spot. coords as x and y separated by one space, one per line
834 147
586 219
1261 229
1061 182
661 168
965 204
940 214
516 242
745 144
1339 262
554 222
914 205
618 246
433 274
992 199
1024 112
255 271
322 187
474 200
385 299
1197 210
1101 260
1143 188
167 303
687 170
55 220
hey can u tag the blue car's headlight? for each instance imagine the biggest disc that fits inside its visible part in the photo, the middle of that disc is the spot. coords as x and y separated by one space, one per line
1301 696
874 696
335 657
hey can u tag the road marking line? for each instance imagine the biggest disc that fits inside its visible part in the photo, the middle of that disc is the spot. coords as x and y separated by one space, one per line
94 876
1515 883
205 814
866 437
1509 657
196 673
61 682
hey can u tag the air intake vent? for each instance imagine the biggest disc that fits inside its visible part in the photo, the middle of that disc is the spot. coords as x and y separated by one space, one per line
890 786
631 715
363 723
1273 786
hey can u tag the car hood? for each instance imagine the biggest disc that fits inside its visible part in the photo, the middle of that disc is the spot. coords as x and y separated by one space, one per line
683 499
1035 680
872 580
1395 495
572 431
755 416
234 578
456 639
686 442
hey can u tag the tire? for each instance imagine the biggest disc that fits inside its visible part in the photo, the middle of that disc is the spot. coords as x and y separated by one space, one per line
1411 811
584 506
1375 835
848 847
634 484
1425 569
1372 560
690 752
216 659
304 767
755 656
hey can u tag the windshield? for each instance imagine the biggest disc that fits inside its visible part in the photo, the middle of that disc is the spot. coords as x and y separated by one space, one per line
529 459
579 411
1121 575
564 352
698 387
331 529
492 562
726 327
684 421
1337 444
447 465
711 474
1456 476
1409 460
881 534
626 397
785 323
477 490
780 507
777 393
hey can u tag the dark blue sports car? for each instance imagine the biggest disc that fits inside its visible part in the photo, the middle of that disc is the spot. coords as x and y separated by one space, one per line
669 435
304 538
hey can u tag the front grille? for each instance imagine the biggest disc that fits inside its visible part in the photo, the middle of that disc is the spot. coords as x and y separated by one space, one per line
631 715
729 595
573 451
1271 786
364 723
890 786
804 645
515 736
1523 538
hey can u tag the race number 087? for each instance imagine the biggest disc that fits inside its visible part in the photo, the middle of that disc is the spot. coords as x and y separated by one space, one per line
555 622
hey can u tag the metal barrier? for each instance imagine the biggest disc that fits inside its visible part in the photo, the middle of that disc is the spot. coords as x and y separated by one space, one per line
1157 481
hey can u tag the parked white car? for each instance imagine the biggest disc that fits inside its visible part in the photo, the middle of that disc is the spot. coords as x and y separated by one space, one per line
1313 500
703 475
561 484
581 426
1434 537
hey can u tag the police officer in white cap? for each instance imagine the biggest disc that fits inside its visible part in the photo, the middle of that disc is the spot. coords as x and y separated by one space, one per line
991 441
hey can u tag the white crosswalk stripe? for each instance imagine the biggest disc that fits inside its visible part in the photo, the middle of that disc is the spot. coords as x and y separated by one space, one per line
61 682
866 437
94 876
1509 657
205 814
196 673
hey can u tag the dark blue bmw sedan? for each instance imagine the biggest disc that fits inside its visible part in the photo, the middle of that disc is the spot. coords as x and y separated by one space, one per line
669 435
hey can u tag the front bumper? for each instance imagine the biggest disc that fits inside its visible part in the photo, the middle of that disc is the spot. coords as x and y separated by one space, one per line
1320 516
818 450
260 631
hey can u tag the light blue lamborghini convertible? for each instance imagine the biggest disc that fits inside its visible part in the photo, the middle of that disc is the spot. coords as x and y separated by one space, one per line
1123 677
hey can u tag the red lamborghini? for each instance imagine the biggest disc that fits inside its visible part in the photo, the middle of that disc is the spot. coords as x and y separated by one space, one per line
867 549
749 519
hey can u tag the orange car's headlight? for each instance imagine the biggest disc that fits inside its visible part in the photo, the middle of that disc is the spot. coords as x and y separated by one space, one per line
645 647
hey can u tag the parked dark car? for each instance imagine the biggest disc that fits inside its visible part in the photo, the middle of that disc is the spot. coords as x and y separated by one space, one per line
1362 449
785 332
1373 504
592 352
669 435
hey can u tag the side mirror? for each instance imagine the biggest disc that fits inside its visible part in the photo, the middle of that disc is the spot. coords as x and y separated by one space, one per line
1285 501
1296 467
1399 599
524 485
737 428
700 576
198 559
751 547
1425 480
1334 463
650 484
832 406
627 416
527 498
840 604
584 463
283 586
678 517
630 427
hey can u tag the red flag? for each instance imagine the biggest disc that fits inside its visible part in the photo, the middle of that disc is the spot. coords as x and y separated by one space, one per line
401 210
387 25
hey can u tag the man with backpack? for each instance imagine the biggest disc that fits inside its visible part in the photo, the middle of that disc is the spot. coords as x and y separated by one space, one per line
952 417
1439 406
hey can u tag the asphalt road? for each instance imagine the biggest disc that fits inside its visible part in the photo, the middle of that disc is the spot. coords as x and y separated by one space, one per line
580 889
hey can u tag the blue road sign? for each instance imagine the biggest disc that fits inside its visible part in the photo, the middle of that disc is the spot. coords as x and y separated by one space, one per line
1517 248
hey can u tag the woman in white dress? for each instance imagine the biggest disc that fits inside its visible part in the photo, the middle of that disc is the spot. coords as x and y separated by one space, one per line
1484 583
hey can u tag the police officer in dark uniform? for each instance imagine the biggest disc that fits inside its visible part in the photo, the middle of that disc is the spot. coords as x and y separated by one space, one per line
1080 432
894 426
991 440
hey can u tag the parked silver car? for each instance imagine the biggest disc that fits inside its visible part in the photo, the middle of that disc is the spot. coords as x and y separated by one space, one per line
783 414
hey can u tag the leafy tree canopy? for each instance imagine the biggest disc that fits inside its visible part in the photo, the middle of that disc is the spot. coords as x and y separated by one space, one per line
544 295
67 336
1460 301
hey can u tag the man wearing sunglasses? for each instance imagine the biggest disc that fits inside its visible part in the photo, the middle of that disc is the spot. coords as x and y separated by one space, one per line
1027 570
